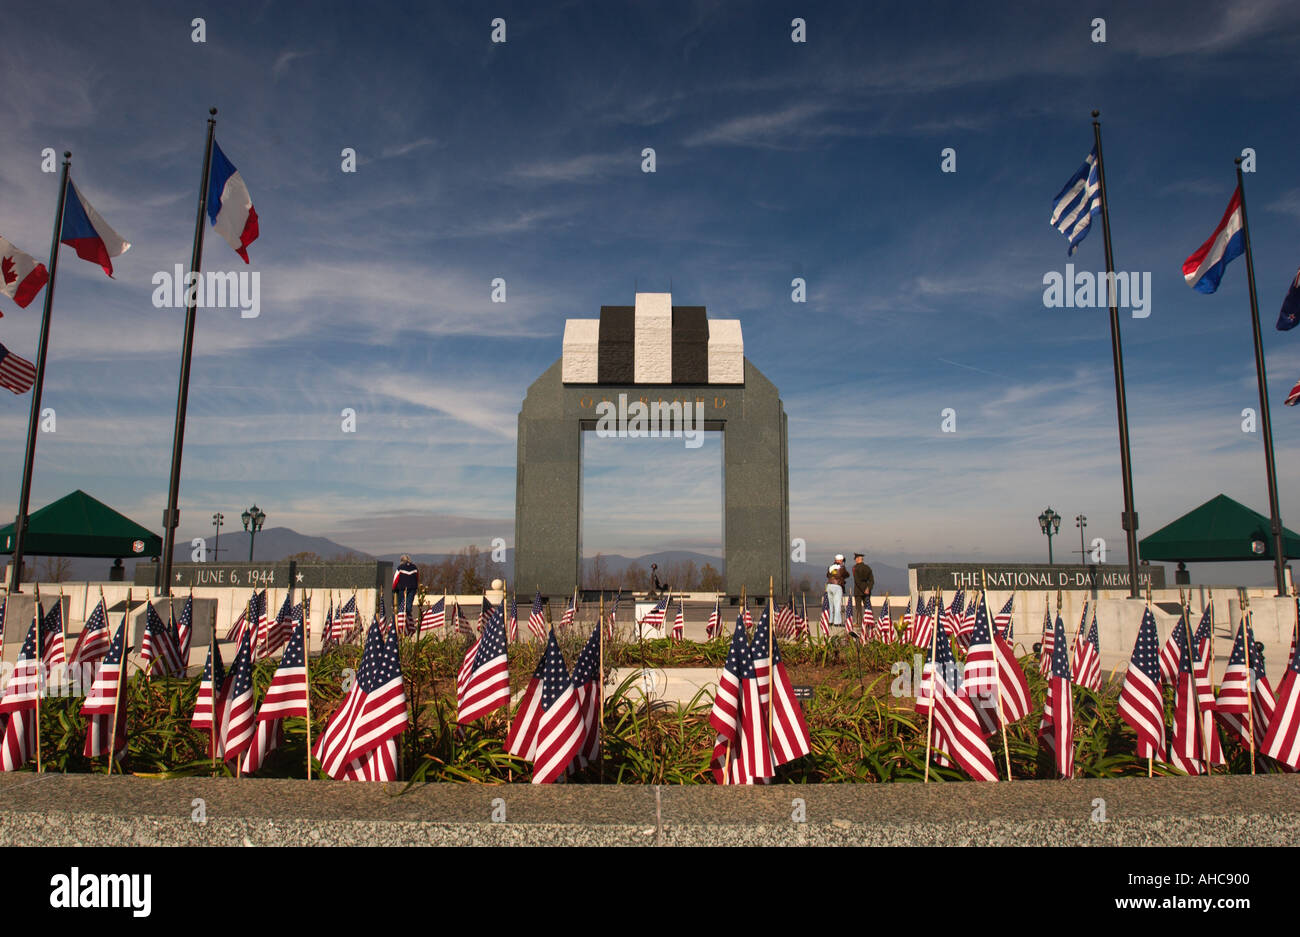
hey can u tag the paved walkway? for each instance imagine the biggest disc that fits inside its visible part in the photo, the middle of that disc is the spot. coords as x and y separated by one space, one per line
59 809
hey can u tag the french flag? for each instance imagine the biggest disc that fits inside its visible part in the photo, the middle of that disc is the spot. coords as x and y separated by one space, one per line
230 207
86 232
1204 269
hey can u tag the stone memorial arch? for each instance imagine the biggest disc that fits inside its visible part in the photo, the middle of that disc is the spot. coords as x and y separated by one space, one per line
677 364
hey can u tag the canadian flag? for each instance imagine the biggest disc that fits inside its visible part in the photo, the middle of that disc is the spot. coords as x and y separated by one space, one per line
21 277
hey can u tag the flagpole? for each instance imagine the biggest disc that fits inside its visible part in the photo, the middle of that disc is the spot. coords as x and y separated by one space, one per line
24 497
934 649
40 670
126 621
214 691
1266 423
306 673
771 664
1250 677
170 516
1196 690
997 665
600 698
1129 521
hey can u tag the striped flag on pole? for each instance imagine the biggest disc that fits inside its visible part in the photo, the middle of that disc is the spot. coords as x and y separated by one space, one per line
16 372
1245 698
360 741
1282 742
285 698
1056 730
1141 701
1076 203
790 736
486 685
992 671
93 642
957 732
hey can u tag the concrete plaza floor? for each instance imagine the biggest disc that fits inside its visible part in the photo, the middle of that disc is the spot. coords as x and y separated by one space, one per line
54 809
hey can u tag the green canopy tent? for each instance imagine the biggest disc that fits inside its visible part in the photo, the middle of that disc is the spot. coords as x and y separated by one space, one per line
79 525
1220 530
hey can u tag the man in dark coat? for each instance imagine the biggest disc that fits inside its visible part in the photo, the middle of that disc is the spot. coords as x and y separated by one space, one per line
864 581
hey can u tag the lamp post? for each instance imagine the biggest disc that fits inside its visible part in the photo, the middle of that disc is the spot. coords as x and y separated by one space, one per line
253 520
1081 521
217 518
1050 523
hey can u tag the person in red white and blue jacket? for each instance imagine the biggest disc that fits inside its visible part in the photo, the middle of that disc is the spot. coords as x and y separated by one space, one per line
406 582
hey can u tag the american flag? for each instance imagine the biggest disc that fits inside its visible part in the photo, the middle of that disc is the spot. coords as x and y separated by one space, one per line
462 623
906 621
1245 697
1056 731
258 603
327 636
849 627
360 741
801 620
868 620
952 615
106 701
285 698
52 636
826 615
1171 652
185 628
613 616
586 683
992 671
278 634
548 729
237 724
345 625
1002 620
570 611
679 626
1200 654
16 372
537 617
484 610
1087 657
512 625
785 617
1185 741
790 737
966 625
19 704
208 704
402 603
1141 701
159 645
1282 742
1049 636
957 733
714 625
885 632
486 684
740 753
655 617
923 624
434 617
92 644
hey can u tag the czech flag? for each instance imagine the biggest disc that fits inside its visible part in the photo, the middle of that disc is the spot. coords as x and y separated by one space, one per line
230 207
21 277
1204 269
89 234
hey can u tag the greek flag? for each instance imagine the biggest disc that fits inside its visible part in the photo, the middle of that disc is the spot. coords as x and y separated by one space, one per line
1075 204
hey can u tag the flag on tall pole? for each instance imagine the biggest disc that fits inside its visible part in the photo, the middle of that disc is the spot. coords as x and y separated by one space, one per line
224 198
1083 196
17 374
77 224
1203 270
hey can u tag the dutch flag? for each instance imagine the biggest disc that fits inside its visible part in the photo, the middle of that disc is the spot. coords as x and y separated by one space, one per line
230 207
1204 269
86 232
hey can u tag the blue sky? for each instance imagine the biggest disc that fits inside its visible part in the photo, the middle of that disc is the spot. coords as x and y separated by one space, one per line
775 159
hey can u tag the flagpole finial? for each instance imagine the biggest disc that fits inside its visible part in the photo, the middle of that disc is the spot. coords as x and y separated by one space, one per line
212 111
1096 114
1237 161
